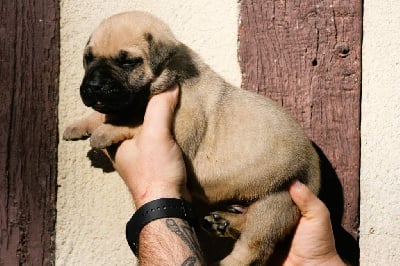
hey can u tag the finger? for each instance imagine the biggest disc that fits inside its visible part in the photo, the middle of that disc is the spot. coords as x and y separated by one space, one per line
160 111
309 204
110 151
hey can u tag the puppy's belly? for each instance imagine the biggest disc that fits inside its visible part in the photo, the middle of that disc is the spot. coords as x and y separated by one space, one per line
241 179
246 168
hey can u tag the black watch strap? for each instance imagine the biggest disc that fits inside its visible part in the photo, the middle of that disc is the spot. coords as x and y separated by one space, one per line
153 210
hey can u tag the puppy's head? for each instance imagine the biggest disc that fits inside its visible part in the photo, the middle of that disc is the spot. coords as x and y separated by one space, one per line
127 58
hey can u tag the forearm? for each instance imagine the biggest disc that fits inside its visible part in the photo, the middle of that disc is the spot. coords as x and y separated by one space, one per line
169 241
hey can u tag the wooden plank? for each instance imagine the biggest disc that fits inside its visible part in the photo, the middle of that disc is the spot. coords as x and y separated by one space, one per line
29 53
307 56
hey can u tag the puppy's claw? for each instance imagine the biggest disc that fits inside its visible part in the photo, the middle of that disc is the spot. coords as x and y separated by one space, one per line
224 224
222 227
216 216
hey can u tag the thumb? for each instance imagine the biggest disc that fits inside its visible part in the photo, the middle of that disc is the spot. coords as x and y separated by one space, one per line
160 111
309 204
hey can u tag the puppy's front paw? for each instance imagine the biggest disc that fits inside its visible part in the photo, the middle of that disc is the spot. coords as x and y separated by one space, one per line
75 132
108 134
102 137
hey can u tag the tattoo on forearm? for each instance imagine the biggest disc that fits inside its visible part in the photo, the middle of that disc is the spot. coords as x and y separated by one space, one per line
187 235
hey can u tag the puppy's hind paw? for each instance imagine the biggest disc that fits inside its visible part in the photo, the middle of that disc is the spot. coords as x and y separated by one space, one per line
219 226
227 223
215 224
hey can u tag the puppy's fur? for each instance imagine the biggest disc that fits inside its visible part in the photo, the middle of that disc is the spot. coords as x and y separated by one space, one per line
240 149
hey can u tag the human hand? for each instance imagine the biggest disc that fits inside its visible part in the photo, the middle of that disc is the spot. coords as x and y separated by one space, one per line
313 241
151 164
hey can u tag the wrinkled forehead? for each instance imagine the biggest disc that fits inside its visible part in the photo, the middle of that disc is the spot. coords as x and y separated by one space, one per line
129 30
109 39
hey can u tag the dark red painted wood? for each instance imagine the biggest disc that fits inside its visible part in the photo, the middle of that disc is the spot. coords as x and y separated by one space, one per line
29 69
307 56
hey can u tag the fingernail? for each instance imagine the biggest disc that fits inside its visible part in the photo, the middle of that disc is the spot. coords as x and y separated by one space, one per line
297 184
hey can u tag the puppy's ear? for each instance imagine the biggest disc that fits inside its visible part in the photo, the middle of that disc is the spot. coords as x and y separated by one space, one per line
171 63
160 53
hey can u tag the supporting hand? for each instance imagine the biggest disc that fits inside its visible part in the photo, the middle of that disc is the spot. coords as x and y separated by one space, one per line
313 242
151 164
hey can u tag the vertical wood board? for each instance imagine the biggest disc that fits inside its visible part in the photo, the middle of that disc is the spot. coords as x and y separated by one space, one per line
29 53
306 55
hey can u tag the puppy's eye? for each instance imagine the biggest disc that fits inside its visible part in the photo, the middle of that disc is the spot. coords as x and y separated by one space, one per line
130 63
126 62
88 57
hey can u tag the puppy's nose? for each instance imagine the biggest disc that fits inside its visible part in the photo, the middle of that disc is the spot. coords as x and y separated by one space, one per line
91 90
94 84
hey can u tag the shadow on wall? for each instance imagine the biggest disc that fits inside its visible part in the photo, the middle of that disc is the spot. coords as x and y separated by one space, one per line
331 194
100 160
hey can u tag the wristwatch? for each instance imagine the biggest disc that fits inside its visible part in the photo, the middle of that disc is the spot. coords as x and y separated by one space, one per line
153 210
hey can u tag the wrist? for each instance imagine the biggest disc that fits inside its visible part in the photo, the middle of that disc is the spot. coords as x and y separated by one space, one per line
158 192
150 196
155 210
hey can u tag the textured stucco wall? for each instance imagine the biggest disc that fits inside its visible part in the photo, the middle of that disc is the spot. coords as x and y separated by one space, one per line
92 207
380 130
